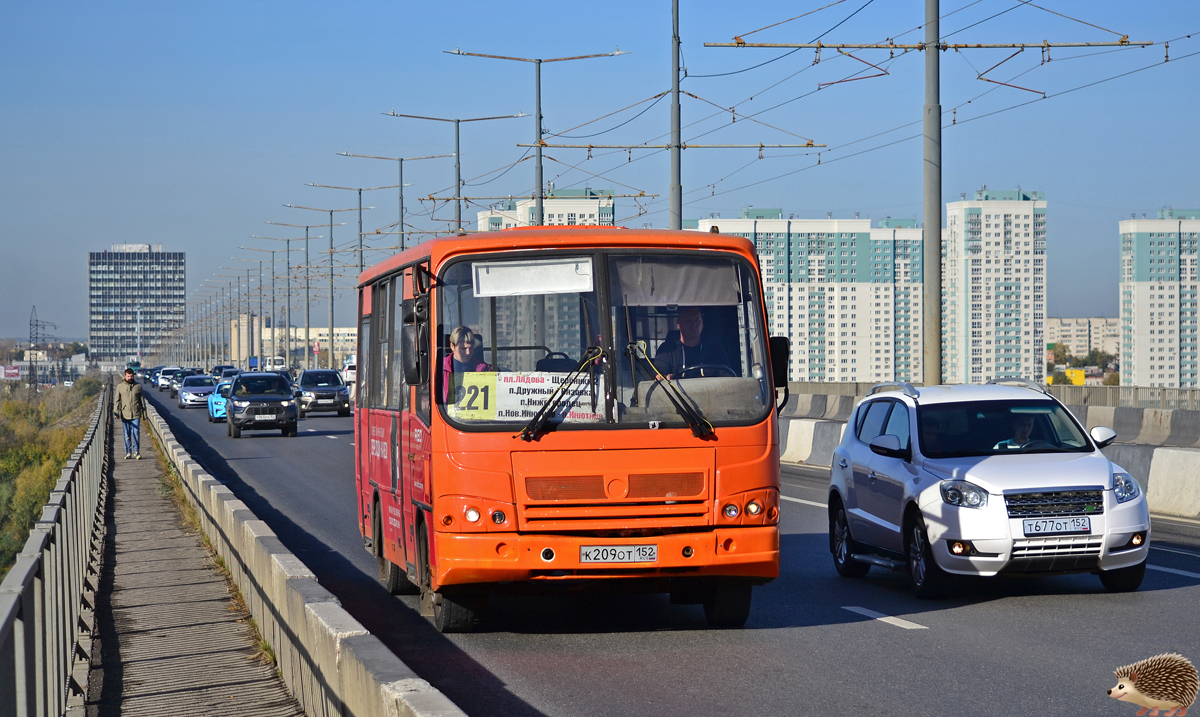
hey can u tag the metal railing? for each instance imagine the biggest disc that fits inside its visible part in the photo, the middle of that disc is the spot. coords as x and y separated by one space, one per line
47 597
1117 396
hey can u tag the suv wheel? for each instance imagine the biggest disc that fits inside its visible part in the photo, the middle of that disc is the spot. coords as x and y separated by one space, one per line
928 580
1124 580
235 430
839 545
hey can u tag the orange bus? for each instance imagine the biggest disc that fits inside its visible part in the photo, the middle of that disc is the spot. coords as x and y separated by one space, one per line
569 406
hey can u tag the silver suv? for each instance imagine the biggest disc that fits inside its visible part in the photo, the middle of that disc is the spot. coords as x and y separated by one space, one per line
981 480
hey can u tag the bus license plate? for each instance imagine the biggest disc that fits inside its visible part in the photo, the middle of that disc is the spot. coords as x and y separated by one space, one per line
618 553
1056 526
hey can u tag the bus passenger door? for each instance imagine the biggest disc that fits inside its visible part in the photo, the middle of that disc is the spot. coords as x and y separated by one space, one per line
361 433
399 403
381 423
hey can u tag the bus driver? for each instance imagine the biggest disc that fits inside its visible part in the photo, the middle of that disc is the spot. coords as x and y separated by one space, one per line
689 349
462 357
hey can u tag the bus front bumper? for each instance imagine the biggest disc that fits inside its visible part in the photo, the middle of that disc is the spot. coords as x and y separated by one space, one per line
748 552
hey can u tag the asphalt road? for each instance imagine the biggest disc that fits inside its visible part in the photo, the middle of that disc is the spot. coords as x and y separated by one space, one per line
998 647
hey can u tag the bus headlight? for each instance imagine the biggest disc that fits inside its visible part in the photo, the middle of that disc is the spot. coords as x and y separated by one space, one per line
472 515
753 508
731 511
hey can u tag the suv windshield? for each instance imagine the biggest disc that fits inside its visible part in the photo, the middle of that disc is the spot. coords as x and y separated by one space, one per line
199 381
262 386
319 379
512 332
988 428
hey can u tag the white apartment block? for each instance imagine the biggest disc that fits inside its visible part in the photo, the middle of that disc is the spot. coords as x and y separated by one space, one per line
561 206
847 294
1084 334
1158 299
994 287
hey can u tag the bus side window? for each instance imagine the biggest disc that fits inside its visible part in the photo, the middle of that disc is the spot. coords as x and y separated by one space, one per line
399 397
424 393
363 374
379 347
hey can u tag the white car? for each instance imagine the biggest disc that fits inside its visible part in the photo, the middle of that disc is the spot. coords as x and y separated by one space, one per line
981 480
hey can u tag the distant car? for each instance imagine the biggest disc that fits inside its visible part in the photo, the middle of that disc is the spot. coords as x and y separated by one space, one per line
350 376
229 373
195 389
323 390
176 379
981 480
218 371
164 377
216 402
68 384
260 401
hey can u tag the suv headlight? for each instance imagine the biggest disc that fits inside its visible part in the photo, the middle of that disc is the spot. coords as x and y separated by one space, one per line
307 394
345 391
285 404
1125 487
963 494
241 404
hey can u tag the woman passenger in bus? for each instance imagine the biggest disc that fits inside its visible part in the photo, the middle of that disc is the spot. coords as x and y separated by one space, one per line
462 358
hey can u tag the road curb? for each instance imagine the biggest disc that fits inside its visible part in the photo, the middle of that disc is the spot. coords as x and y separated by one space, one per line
329 662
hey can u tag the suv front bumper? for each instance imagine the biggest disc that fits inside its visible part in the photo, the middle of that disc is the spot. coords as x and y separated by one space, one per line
1000 545
313 405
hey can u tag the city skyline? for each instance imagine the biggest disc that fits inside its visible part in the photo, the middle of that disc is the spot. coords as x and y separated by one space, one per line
192 126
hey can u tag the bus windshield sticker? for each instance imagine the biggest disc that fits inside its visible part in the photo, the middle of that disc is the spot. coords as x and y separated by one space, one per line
533 276
515 396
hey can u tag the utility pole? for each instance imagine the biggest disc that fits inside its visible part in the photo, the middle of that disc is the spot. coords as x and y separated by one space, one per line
931 256
360 190
458 229
538 130
399 183
675 210
331 255
274 328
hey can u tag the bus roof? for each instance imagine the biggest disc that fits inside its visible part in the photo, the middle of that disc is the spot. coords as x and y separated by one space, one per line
555 237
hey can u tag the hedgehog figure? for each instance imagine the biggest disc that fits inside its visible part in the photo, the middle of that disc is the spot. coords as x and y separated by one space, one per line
1164 682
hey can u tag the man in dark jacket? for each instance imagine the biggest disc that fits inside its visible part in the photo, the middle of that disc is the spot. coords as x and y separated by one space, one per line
130 407
689 350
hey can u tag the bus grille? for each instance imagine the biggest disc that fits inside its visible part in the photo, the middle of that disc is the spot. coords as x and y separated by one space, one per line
567 488
644 500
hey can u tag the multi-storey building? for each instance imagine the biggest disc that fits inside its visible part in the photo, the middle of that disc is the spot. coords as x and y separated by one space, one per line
560 206
1082 335
847 294
994 287
120 281
1158 299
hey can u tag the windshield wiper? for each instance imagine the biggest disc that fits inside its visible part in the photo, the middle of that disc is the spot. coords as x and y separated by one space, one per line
701 428
536 424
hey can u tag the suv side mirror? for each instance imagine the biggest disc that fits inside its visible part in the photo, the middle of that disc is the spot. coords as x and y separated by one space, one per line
1103 435
414 345
225 392
889 445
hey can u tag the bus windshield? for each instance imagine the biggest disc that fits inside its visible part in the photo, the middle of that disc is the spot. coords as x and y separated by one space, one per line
681 336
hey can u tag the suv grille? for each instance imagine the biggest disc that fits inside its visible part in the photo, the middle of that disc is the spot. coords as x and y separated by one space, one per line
1055 504
264 410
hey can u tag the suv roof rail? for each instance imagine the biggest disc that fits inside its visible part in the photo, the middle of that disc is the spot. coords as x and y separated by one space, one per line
903 386
1019 381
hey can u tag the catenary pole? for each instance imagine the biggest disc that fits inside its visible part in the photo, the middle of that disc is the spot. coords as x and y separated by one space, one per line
676 207
931 299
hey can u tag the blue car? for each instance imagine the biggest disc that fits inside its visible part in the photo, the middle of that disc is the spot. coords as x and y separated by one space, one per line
216 402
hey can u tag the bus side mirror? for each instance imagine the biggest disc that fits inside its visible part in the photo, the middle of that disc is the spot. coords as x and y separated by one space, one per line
781 349
415 311
414 347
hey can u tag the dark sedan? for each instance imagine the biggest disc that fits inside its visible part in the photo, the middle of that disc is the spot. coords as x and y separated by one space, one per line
260 401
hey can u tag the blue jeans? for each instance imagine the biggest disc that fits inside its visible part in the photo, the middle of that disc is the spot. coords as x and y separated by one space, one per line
133 434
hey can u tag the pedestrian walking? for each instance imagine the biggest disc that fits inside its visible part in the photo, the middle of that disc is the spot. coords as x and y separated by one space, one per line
129 405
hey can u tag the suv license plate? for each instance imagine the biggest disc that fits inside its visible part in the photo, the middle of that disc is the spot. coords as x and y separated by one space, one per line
264 417
1056 526
618 553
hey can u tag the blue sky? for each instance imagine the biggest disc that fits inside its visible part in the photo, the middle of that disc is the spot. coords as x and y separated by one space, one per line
191 125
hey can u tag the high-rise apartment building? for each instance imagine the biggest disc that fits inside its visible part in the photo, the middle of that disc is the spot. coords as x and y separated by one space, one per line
847 294
560 206
994 287
1158 299
120 281
1082 335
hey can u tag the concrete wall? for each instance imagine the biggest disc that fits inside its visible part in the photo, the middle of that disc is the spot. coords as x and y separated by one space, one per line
1158 447
328 661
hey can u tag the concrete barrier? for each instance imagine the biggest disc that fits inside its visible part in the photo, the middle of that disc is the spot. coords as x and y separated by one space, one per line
1175 481
329 662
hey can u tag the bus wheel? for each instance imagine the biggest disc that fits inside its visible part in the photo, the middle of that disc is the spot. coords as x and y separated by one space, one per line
456 612
393 578
728 605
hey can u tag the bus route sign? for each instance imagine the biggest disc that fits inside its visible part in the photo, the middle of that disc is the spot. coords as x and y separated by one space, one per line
518 395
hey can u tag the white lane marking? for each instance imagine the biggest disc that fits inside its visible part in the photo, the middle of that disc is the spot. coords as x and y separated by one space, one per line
805 502
311 430
1177 552
333 437
1173 571
898 622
